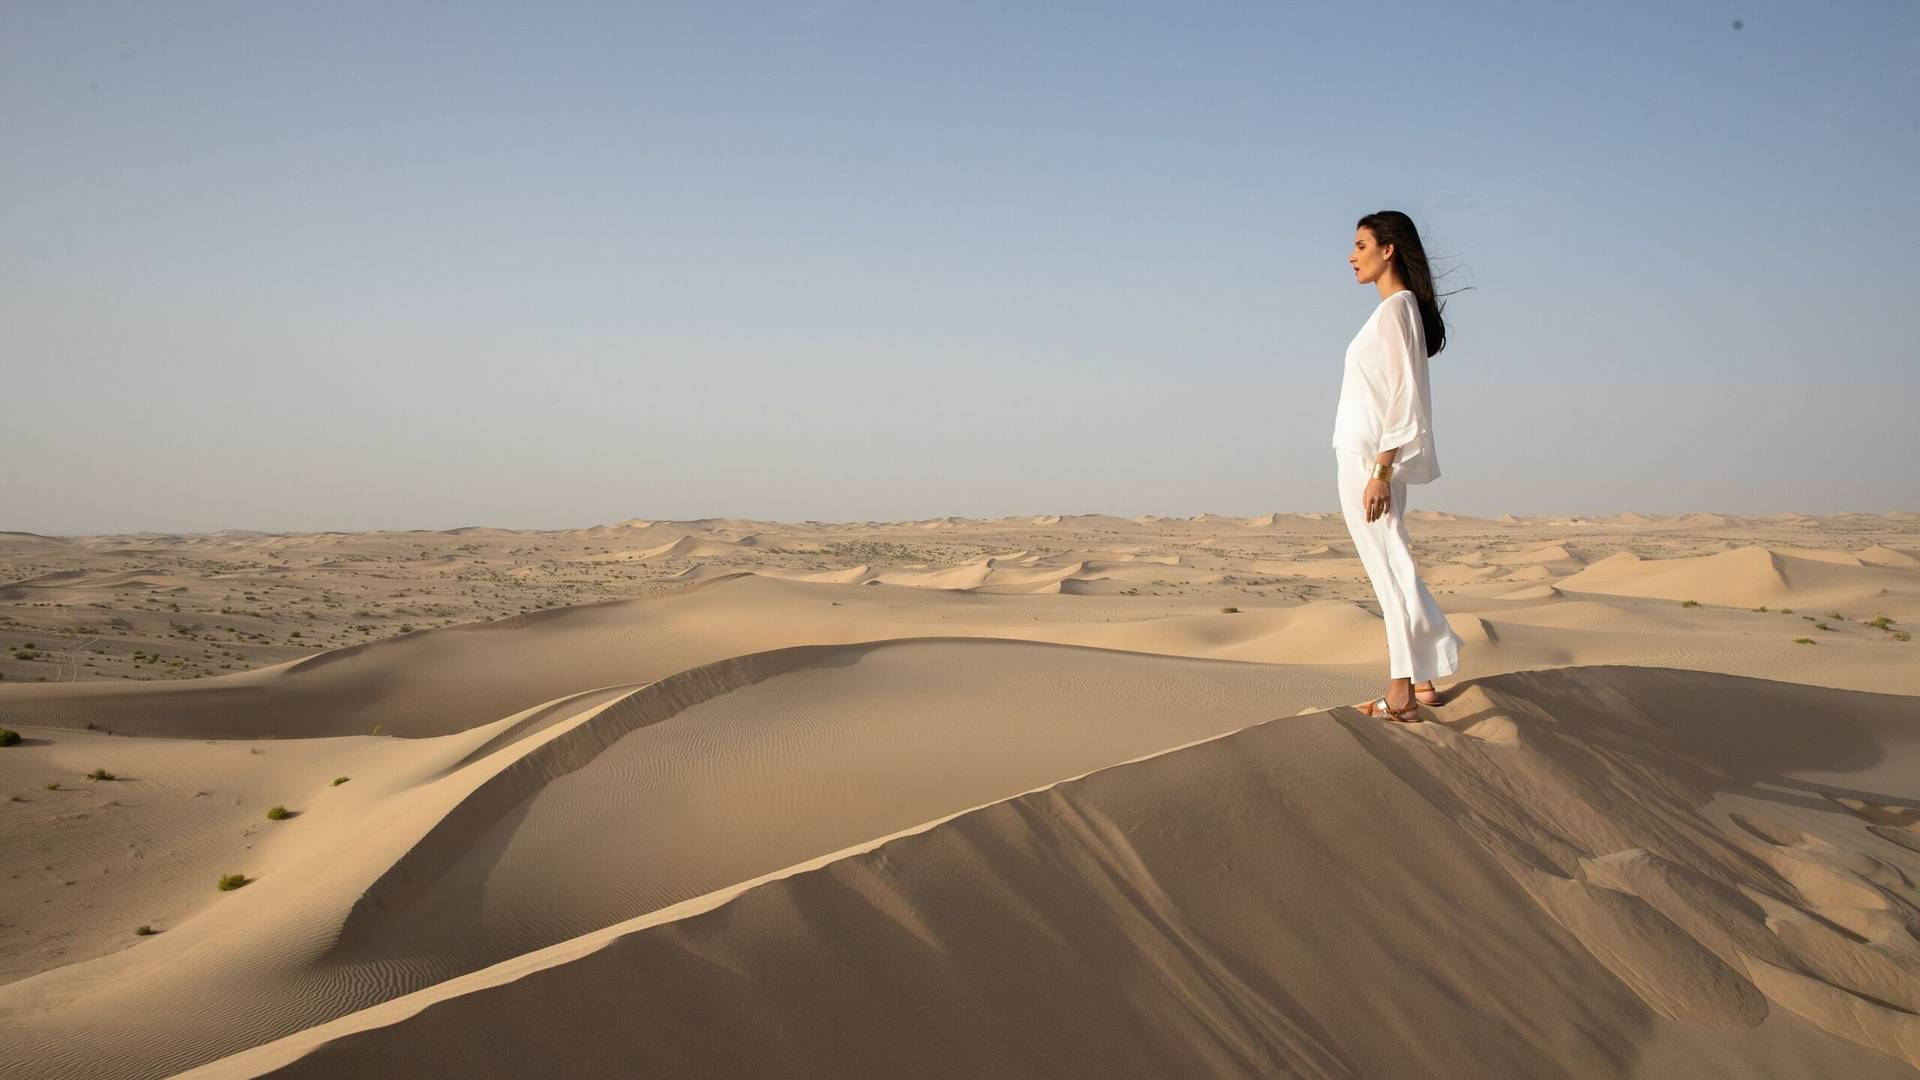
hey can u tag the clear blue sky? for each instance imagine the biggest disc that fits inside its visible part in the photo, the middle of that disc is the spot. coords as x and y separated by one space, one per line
350 266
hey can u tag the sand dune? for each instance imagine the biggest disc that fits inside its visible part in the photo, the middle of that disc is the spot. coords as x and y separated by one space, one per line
1741 576
989 798
665 792
1583 898
690 546
692 803
852 575
1882 555
1552 553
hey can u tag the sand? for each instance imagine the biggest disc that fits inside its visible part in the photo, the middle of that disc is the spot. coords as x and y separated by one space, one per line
962 798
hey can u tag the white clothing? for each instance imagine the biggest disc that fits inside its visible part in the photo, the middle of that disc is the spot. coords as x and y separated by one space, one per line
1420 643
1384 397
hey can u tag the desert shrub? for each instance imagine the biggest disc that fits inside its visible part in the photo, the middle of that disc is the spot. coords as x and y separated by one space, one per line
1804 641
229 882
278 813
1690 603
378 728
1229 611
1880 622
100 774
338 780
1821 626
8 736
143 930
1902 635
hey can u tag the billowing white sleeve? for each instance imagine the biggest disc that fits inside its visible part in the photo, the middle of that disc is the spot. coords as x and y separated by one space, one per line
1400 412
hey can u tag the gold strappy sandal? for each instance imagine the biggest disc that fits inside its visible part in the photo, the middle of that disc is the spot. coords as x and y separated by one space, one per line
1379 710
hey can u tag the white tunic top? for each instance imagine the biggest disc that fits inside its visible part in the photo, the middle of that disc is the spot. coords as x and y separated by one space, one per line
1384 397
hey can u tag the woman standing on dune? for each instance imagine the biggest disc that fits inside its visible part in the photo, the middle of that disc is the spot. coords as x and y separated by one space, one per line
1383 441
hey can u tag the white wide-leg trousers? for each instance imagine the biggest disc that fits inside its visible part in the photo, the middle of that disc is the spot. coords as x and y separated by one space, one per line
1420 644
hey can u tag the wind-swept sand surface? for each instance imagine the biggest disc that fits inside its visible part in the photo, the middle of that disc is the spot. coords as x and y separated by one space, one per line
1025 800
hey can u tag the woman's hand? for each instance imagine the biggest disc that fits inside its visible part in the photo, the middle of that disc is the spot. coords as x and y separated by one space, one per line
1376 498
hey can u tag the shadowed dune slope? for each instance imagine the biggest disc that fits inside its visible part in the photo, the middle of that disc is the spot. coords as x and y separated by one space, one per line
740 767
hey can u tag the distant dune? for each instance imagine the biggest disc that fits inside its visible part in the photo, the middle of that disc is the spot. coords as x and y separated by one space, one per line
1741 576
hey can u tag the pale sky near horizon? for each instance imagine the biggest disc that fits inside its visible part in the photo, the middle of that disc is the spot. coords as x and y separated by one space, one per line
359 266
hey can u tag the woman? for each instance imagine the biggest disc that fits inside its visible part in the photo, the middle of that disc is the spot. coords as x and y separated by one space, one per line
1383 441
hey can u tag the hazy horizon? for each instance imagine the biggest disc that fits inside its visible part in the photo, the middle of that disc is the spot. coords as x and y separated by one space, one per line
358 268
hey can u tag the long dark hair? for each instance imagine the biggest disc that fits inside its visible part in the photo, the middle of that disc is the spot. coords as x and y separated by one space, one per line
1391 227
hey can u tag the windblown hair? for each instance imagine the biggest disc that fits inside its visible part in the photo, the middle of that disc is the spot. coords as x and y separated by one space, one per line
1395 229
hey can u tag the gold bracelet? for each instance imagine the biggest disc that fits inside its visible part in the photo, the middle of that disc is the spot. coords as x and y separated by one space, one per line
1382 472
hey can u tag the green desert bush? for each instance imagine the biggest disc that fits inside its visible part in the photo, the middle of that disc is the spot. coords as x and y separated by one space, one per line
230 882
100 774
278 813
1902 635
1821 626
338 780
8 736
1230 611
1804 641
1690 603
144 930
1880 622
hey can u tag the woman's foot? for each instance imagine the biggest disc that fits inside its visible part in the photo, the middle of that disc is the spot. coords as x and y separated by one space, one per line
1392 706
1380 709
1426 694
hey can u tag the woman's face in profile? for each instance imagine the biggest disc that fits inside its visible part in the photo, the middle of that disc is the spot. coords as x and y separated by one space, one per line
1367 261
